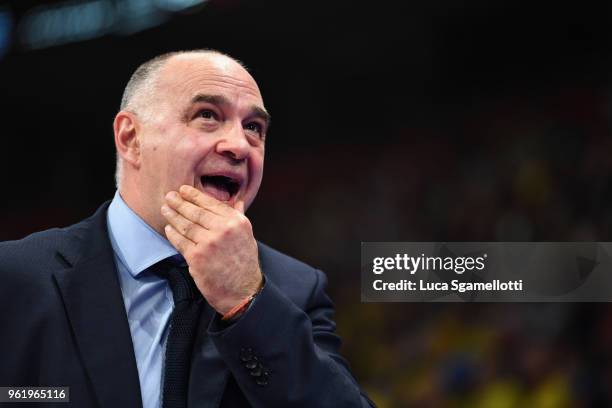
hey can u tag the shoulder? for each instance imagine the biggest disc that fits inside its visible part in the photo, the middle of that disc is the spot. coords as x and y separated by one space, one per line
27 265
278 262
295 278
28 261
53 247
35 249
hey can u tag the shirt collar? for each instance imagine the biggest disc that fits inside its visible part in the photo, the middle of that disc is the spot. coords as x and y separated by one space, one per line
136 244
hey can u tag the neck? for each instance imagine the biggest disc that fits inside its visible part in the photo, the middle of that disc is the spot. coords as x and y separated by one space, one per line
140 203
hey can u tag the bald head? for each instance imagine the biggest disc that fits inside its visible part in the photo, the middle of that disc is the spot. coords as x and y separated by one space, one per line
140 89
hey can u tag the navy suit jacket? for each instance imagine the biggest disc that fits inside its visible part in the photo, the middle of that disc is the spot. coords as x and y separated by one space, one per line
63 323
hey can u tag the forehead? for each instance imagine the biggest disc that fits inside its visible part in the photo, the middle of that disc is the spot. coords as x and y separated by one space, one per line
185 76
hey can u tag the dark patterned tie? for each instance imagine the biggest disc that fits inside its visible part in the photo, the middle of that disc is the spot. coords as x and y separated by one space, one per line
183 324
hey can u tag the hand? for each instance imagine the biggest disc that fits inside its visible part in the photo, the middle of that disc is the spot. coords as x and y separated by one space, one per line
217 242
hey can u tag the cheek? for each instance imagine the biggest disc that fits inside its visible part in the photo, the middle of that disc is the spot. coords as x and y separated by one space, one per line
258 167
186 156
153 147
167 159
152 153
183 158
256 170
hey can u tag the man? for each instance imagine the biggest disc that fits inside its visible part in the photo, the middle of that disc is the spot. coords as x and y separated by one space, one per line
163 297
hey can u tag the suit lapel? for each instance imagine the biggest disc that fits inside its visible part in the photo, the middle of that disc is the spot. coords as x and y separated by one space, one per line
94 305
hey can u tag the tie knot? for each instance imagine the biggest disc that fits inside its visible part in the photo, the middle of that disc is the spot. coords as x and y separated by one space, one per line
181 283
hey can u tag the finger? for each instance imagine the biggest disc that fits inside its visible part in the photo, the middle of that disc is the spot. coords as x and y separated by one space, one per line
239 206
200 199
182 244
192 212
185 227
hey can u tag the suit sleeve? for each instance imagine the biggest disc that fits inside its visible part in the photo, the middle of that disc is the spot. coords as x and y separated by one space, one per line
283 356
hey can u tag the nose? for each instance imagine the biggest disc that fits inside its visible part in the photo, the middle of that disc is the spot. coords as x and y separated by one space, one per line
233 143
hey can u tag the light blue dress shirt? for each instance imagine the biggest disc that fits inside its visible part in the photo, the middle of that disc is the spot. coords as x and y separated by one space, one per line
147 297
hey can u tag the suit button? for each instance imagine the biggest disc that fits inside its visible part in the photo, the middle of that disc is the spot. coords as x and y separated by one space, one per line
251 363
257 371
246 354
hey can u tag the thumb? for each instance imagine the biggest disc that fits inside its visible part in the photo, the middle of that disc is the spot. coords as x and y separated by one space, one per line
239 206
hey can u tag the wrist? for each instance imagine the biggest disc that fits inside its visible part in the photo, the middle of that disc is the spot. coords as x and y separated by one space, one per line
241 307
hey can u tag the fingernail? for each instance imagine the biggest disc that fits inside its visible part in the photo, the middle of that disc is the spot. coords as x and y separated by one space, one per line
172 195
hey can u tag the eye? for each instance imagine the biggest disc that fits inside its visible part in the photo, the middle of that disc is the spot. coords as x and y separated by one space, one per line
207 114
254 127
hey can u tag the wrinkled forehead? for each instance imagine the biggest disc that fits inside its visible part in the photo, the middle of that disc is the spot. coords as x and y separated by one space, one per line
184 76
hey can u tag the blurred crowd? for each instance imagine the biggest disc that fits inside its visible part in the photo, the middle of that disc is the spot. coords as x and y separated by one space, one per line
481 355
515 170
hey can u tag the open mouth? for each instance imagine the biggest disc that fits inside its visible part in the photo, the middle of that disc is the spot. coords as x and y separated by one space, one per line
222 188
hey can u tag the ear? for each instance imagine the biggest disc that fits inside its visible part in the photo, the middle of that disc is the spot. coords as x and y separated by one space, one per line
127 137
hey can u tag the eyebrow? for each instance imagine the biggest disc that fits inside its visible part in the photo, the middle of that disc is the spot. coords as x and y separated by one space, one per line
221 100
